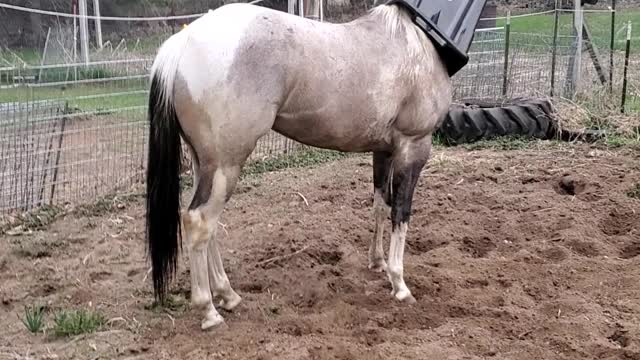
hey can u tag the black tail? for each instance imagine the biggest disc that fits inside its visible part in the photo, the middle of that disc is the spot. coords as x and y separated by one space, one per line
163 188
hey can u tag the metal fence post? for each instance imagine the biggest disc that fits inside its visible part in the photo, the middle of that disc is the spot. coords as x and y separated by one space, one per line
626 68
612 44
96 10
578 23
507 36
554 50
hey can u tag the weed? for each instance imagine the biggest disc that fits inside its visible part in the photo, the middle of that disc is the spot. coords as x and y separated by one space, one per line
186 181
106 205
438 139
37 246
35 220
76 322
33 318
617 141
634 192
172 304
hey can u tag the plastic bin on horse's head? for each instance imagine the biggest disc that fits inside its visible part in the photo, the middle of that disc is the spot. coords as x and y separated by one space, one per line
450 24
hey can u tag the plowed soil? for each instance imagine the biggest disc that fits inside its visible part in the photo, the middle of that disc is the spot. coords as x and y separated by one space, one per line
521 254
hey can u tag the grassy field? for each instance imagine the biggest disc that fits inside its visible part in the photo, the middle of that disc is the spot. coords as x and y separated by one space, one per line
599 24
83 97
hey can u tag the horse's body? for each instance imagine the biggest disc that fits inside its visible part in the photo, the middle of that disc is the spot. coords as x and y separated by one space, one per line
374 84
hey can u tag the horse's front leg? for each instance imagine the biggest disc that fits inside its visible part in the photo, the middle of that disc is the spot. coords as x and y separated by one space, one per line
407 164
381 164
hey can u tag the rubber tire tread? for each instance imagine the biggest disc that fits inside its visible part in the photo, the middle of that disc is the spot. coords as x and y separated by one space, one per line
531 118
541 120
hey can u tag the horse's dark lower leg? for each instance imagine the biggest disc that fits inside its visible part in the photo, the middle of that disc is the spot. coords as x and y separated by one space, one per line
381 165
405 172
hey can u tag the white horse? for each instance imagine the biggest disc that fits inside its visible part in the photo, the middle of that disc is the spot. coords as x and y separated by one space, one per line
375 84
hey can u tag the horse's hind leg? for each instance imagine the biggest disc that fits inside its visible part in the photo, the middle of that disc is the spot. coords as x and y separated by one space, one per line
214 186
218 280
381 164
406 167
197 229
220 286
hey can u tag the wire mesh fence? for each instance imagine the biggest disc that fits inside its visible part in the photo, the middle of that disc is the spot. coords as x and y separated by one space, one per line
71 132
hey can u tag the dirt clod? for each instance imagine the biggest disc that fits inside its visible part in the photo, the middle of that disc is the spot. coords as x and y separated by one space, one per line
620 337
570 185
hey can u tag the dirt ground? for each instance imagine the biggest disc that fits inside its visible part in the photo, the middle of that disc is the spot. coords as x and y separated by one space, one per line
522 254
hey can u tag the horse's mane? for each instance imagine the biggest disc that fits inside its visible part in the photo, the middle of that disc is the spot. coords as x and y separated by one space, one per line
398 22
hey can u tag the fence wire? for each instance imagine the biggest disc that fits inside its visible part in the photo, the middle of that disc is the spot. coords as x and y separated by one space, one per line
71 132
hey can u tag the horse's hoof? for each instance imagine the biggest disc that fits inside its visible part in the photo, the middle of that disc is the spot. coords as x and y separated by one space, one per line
231 303
212 321
404 296
378 266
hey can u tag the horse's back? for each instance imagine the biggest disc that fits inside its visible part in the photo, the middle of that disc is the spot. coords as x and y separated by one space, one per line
217 35
212 57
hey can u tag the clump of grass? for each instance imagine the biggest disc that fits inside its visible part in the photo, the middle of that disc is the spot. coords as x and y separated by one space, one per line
38 219
617 141
186 181
76 322
634 192
37 247
34 318
438 139
106 205
172 304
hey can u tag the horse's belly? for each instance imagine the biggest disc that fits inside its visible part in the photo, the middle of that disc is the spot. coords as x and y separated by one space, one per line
337 133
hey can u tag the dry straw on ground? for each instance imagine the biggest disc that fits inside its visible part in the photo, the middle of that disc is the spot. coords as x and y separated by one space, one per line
577 116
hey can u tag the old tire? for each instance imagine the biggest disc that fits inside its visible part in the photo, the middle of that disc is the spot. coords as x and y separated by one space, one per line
471 122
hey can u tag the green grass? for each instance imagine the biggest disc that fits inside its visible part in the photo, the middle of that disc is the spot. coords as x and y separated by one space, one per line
617 141
102 93
65 322
525 29
76 322
632 104
502 143
100 97
19 56
305 157
34 318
